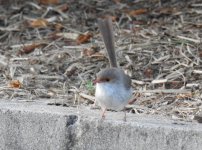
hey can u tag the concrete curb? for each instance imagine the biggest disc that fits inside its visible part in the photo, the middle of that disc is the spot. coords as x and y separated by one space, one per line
37 126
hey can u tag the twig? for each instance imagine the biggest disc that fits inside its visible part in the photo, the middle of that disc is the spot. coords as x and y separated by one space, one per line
166 91
89 97
189 39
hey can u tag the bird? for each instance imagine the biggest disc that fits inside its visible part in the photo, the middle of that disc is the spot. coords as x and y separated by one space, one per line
113 87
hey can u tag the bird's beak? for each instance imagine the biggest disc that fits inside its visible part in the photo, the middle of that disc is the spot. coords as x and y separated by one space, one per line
96 81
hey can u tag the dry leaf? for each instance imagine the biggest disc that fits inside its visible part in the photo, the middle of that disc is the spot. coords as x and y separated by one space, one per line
137 12
92 52
83 38
174 85
200 53
15 84
47 2
169 10
88 52
38 23
58 26
148 72
185 95
29 48
71 71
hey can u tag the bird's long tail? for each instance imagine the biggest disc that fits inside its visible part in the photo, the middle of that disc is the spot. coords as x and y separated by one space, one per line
106 29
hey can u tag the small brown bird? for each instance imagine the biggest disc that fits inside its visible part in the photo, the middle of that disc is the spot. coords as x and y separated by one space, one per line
113 86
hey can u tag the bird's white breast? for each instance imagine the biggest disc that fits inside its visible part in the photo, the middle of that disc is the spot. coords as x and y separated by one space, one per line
112 96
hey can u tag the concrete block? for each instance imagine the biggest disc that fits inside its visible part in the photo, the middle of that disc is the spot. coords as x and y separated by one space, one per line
37 126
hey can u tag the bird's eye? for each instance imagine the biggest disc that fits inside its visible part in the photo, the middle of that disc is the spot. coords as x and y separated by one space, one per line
107 79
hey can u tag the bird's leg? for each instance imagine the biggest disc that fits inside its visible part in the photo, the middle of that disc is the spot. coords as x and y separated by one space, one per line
94 105
95 102
124 118
132 101
103 113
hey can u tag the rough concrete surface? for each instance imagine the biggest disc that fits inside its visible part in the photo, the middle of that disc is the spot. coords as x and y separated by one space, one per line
37 126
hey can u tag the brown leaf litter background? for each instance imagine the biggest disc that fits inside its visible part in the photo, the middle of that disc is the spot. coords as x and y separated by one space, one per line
52 49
